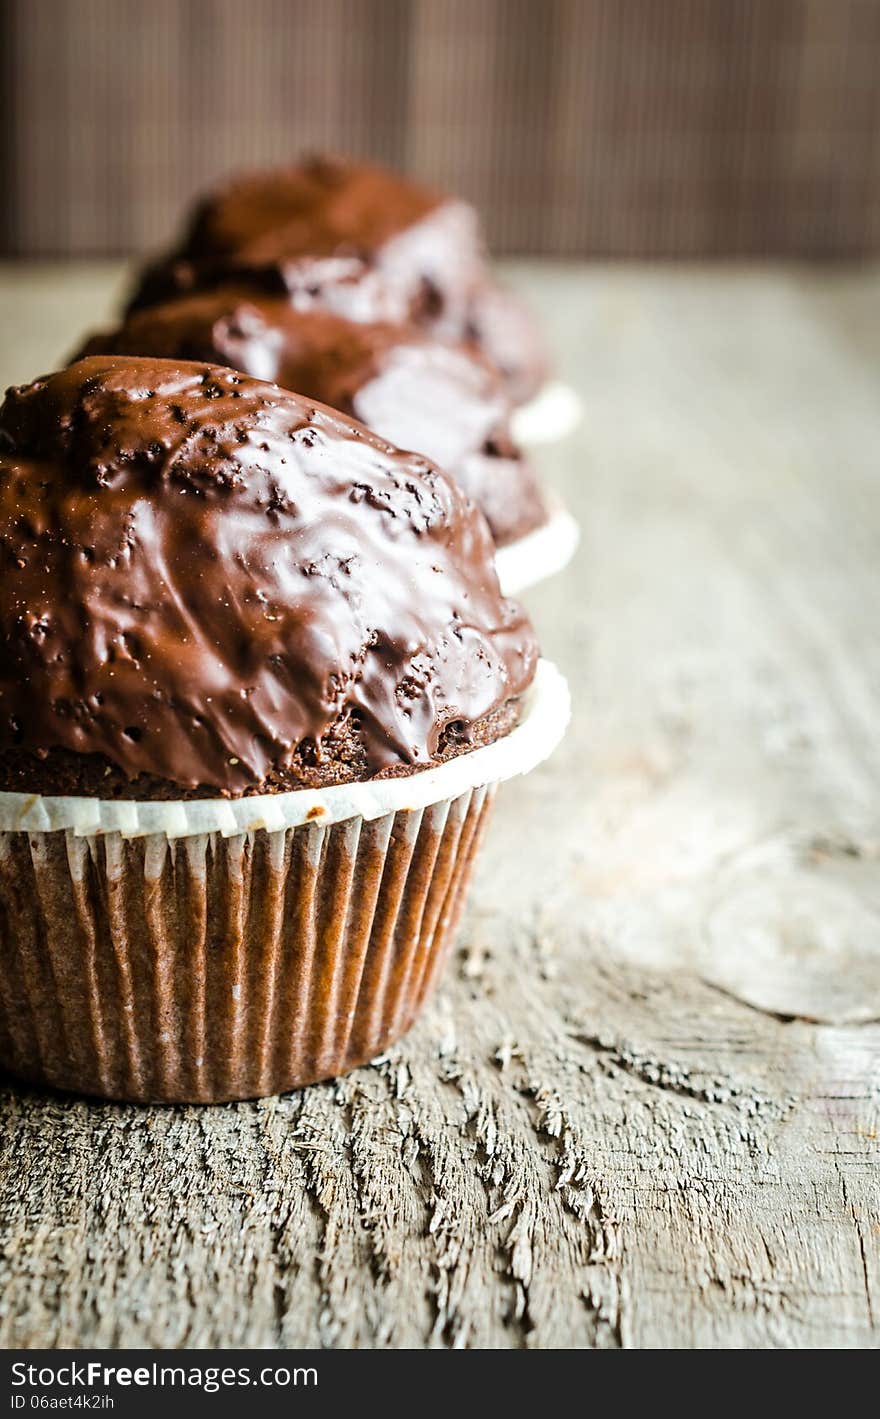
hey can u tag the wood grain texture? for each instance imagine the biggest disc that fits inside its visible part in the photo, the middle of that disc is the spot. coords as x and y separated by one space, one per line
644 1108
621 127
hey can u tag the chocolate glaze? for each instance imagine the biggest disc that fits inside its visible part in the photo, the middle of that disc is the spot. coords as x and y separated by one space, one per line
200 573
425 247
360 241
440 399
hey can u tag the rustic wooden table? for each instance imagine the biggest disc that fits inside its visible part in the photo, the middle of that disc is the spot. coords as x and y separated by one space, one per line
643 1110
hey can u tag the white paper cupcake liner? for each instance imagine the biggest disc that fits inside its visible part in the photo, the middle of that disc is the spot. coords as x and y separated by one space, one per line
553 414
540 554
544 716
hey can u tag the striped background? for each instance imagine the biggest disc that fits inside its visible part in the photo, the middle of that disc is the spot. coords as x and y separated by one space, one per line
613 127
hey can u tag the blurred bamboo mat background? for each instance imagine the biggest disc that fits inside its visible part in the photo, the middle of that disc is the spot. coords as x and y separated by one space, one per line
644 1108
618 127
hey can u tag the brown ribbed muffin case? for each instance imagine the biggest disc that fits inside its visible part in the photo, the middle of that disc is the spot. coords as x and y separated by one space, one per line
211 968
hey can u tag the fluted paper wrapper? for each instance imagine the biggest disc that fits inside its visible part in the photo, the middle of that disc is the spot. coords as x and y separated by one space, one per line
203 966
209 968
553 413
539 554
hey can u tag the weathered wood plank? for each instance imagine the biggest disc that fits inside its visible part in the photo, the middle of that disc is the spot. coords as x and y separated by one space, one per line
644 1108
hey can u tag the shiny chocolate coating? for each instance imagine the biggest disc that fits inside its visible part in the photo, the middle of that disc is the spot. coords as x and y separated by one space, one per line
442 400
200 573
263 226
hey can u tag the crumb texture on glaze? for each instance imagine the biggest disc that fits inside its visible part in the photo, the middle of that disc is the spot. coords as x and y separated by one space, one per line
203 576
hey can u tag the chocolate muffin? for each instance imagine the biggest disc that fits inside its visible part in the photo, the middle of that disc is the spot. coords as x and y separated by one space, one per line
257 685
441 399
364 242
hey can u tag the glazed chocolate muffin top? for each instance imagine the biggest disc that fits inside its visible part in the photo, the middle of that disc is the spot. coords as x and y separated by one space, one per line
442 400
200 574
263 226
